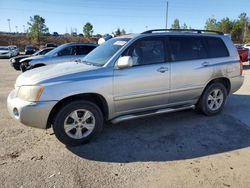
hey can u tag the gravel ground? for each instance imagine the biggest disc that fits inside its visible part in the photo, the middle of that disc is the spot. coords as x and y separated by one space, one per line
183 149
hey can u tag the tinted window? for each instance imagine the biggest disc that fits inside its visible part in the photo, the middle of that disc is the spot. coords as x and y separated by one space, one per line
216 47
83 50
147 51
44 51
187 48
71 50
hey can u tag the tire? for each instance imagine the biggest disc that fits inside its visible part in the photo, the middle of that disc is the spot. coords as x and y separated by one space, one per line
210 105
16 67
73 114
23 67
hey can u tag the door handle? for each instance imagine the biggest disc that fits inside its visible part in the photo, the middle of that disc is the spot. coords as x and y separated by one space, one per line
205 64
162 69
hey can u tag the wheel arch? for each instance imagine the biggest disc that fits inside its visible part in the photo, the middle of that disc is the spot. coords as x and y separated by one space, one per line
39 65
225 81
97 99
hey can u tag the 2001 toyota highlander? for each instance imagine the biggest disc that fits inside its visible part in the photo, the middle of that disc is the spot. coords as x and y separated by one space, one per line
127 77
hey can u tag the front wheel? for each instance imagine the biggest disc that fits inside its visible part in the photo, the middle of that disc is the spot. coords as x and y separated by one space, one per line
78 122
23 67
213 99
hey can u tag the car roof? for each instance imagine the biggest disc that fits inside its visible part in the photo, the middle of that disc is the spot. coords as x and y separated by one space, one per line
170 32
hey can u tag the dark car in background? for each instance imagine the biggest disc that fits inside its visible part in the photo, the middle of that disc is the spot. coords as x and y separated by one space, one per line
15 61
29 50
50 45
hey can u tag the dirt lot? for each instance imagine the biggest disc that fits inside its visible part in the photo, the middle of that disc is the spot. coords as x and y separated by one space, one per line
181 149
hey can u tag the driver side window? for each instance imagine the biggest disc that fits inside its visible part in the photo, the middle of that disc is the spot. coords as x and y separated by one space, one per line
147 51
71 50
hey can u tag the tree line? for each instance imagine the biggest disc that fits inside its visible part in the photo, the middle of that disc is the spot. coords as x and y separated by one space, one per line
239 28
37 28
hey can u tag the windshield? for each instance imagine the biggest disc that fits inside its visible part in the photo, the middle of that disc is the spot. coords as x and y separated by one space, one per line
4 48
100 55
42 52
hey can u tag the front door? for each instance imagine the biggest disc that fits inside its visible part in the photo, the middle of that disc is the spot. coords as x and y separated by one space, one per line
146 84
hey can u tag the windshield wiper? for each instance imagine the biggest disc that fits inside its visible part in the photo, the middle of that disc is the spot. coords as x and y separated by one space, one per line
90 63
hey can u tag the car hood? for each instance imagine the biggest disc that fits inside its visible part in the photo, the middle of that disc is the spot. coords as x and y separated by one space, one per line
20 56
55 73
34 58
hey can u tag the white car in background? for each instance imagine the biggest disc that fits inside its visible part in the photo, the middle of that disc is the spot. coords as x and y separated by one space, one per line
248 47
6 52
15 50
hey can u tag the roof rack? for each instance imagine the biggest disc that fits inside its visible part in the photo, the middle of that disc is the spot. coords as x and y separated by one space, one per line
184 30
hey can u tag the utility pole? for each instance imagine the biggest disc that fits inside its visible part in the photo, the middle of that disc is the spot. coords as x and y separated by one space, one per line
167 16
24 29
9 25
16 29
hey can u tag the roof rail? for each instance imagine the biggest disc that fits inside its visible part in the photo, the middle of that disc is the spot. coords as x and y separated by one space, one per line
184 30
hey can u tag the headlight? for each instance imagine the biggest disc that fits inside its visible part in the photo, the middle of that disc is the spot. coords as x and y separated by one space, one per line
30 93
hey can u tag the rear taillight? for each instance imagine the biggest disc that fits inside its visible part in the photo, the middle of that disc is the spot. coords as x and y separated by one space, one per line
241 67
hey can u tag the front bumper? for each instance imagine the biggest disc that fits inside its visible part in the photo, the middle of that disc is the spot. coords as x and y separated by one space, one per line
33 114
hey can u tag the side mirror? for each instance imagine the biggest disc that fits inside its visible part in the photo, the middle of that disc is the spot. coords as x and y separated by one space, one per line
124 62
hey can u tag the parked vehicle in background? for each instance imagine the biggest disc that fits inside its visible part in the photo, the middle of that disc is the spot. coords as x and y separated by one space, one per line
243 53
50 45
29 49
65 53
15 50
129 77
15 61
247 46
55 34
6 52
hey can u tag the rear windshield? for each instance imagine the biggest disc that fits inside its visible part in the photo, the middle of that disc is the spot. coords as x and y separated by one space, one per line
216 47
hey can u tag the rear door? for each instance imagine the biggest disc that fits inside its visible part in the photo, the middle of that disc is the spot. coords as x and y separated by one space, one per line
145 85
190 69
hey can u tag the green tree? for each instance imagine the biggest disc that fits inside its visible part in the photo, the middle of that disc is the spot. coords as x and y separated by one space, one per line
184 26
88 29
245 24
176 24
225 25
117 32
37 28
123 32
211 24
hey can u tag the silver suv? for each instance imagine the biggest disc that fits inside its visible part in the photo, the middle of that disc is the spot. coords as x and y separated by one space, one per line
128 77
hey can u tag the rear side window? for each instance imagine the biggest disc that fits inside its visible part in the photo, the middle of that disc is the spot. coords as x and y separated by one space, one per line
187 48
216 47
84 50
71 50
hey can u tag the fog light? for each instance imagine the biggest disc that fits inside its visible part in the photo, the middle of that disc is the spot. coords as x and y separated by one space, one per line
15 112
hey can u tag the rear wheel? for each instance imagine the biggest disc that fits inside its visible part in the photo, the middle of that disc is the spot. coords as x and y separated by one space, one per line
213 99
78 122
